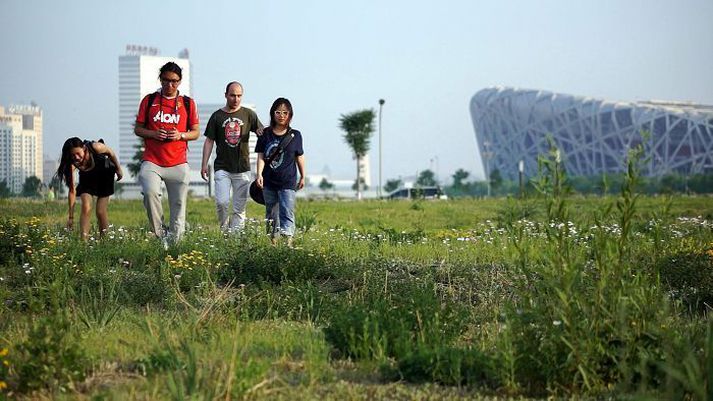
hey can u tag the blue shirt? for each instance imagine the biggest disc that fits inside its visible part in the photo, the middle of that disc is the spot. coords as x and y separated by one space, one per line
281 173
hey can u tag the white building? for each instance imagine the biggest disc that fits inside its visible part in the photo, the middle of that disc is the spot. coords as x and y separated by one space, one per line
20 145
49 168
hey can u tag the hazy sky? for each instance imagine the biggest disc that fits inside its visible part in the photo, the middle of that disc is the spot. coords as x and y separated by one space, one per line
426 59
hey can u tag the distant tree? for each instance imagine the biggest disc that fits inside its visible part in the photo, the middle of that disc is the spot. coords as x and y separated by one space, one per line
496 179
392 185
135 166
31 187
4 190
363 185
56 185
358 127
459 178
325 185
426 179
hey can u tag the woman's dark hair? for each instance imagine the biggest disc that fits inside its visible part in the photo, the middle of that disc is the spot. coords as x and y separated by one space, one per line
277 103
171 67
64 171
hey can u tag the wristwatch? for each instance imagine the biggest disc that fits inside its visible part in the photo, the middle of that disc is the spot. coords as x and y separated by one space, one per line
183 136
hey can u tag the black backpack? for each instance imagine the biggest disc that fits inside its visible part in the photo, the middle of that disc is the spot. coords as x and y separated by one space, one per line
186 104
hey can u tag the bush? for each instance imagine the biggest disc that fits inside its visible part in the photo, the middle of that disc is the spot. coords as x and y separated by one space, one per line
689 277
446 365
273 265
394 323
50 357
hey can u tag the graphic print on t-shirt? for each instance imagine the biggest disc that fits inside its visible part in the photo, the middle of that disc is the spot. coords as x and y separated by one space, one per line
166 118
269 150
232 127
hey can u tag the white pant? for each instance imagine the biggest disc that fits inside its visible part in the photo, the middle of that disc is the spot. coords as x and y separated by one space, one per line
176 179
240 183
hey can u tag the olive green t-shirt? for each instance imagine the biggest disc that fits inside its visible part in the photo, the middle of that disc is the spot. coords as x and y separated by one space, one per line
231 132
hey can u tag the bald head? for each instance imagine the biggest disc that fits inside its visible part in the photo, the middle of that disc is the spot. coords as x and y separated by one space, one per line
233 96
227 87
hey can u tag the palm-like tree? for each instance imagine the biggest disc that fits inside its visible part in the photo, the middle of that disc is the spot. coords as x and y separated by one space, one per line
358 127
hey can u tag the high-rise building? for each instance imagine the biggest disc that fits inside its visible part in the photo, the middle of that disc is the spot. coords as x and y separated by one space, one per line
20 145
139 76
49 168
594 135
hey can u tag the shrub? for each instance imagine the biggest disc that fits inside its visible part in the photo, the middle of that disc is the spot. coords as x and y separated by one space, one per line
393 323
273 265
689 277
50 357
445 365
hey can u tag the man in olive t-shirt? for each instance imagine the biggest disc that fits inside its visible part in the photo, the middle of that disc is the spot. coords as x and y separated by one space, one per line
229 129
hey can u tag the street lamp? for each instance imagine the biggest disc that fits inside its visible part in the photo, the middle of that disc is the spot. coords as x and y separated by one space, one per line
381 105
487 155
521 170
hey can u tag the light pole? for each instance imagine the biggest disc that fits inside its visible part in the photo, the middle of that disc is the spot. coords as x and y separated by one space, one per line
487 155
381 105
521 170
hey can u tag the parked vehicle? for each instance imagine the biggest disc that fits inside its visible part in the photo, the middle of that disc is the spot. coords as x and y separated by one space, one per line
418 193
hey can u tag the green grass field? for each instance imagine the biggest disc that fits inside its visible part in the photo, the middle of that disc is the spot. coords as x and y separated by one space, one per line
460 299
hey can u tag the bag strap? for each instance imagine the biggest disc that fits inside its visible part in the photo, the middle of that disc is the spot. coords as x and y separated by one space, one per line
281 147
150 100
187 105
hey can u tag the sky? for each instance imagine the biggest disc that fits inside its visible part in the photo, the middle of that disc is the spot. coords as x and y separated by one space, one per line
425 59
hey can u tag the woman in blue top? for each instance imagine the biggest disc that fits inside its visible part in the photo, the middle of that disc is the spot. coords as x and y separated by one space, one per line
279 156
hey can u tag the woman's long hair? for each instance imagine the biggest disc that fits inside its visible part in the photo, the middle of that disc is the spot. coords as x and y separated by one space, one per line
277 103
64 171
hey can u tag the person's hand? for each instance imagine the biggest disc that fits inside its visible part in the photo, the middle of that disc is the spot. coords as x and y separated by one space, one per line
204 173
301 183
258 181
259 131
173 135
119 174
160 135
70 223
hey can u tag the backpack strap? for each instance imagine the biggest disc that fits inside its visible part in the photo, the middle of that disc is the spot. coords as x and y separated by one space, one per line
150 100
187 105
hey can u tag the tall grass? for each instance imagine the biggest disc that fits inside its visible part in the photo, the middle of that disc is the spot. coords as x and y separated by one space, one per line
547 296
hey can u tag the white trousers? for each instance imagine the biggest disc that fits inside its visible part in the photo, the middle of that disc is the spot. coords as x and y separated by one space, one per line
176 179
239 183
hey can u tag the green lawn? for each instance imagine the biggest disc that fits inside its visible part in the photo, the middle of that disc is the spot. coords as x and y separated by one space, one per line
458 299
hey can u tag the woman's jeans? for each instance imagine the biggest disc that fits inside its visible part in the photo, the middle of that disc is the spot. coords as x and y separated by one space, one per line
280 211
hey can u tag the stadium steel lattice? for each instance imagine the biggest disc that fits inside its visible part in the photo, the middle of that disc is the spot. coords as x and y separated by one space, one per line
593 135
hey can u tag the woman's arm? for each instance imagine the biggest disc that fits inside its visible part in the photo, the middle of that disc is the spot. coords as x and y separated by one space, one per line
301 168
71 198
103 149
260 167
